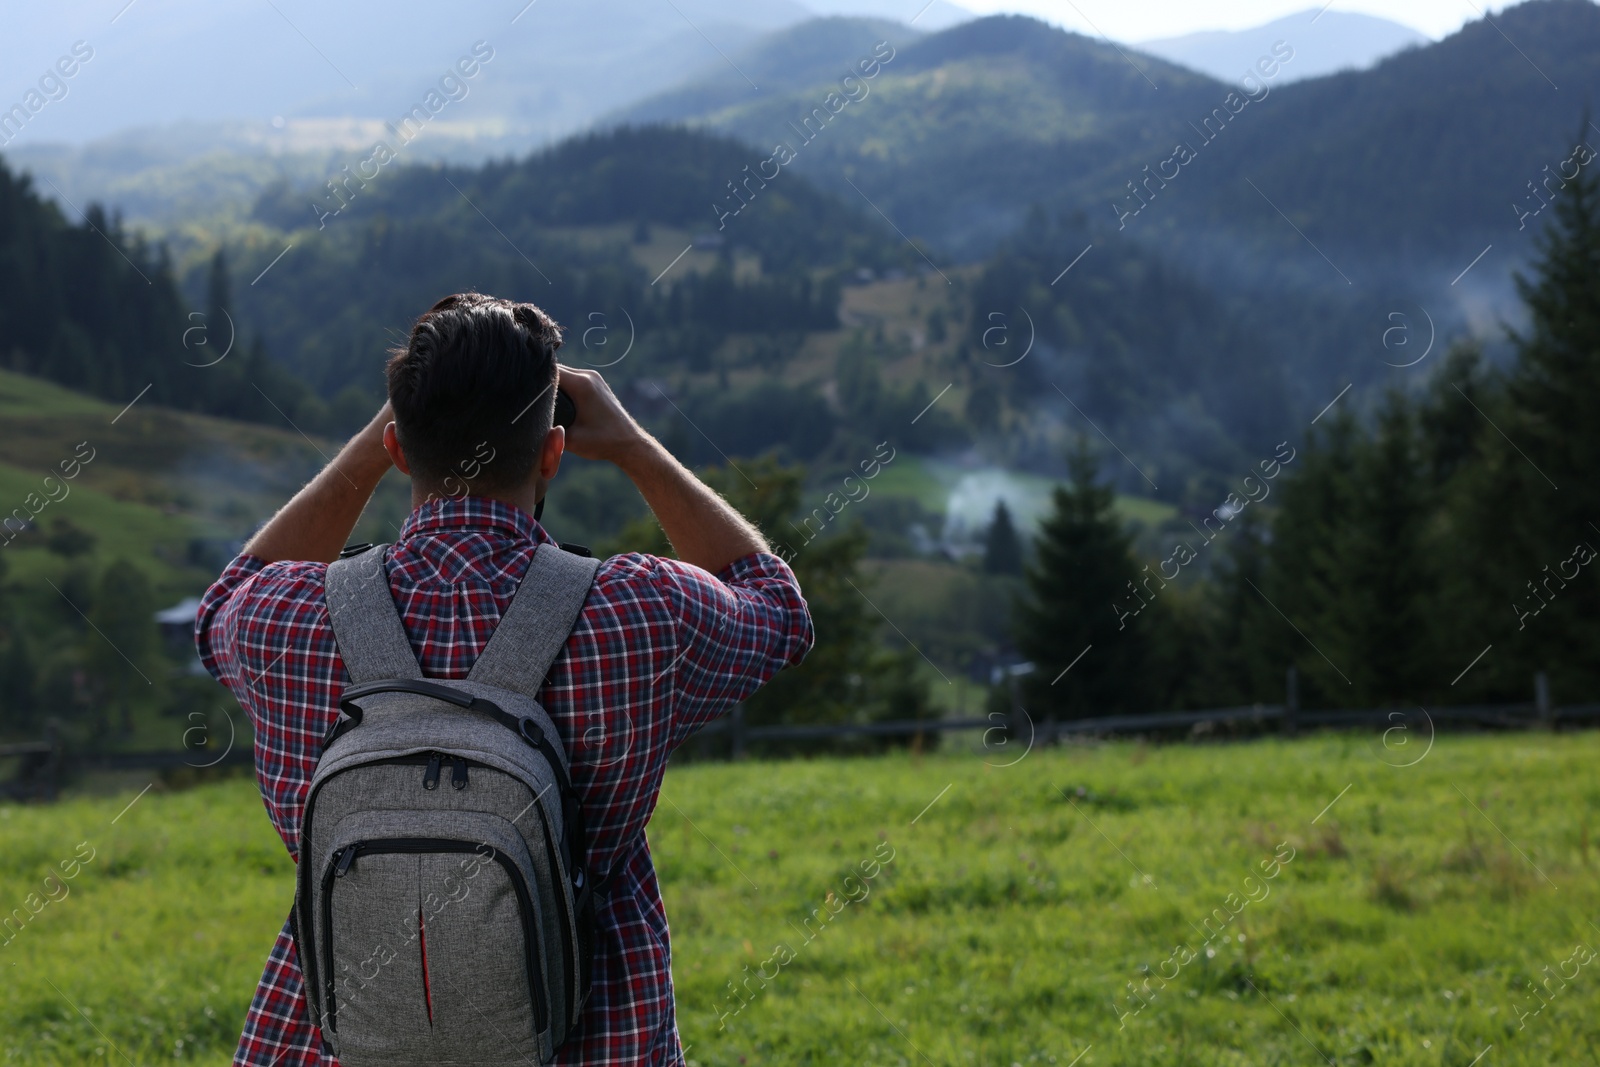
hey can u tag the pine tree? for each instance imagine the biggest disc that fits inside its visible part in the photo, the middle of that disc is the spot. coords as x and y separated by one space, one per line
1350 566
1002 549
1452 431
1081 595
1454 438
1302 576
1535 515
1380 618
1239 664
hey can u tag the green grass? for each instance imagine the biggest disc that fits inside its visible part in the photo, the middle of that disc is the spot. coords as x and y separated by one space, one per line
930 482
1003 931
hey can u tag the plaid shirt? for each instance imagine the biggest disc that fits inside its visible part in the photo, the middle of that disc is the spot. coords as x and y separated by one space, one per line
660 648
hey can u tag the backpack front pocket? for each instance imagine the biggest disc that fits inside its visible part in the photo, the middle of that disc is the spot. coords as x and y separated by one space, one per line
403 928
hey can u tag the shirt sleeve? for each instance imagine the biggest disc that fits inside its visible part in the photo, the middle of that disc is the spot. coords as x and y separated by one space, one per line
212 632
277 1032
262 631
732 632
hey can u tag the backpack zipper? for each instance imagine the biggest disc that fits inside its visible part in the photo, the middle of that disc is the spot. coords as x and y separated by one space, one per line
569 924
532 935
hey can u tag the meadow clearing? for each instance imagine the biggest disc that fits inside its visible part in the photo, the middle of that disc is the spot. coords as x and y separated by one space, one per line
1269 902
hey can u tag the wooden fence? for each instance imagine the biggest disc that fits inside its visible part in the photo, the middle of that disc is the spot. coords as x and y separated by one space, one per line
45 763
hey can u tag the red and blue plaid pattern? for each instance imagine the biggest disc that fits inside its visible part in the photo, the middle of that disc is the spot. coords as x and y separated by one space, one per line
660 648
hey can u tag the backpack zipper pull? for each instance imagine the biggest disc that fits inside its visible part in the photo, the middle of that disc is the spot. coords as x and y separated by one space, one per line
347 856
458 777
430 777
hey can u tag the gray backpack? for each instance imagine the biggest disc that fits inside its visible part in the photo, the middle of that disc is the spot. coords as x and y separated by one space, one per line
443 913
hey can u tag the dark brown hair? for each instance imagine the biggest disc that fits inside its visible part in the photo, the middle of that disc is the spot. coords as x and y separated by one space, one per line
477 374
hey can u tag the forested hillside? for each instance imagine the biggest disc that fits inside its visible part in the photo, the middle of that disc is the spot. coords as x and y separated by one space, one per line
95 307
969 127
613 235
1410 168
963 130
744 328
1438 550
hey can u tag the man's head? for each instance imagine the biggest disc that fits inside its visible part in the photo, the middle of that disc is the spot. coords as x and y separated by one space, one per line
473 394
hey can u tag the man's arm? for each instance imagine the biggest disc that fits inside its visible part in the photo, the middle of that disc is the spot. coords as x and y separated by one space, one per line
704 529
317 522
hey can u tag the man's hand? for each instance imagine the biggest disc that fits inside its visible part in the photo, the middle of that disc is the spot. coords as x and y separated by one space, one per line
317 523
703 528
603 430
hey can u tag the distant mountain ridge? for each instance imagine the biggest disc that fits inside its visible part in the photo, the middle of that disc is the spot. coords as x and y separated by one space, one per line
811 54
562 65
1325 42
970 126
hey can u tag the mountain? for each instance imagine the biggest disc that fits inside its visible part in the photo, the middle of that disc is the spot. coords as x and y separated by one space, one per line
928 16
802 57
1337 201
968 127
597 223
555 66
1325 42
1404 173
1260 276
962 130
279 105
761 329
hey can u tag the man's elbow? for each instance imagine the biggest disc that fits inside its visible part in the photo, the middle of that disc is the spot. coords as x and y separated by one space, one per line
805 637
798 627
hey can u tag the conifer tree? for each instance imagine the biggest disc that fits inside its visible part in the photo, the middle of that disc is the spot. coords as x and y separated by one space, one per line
1351 569
1536 512
1002 549
1302 577
1380 618
1080 593
1243 661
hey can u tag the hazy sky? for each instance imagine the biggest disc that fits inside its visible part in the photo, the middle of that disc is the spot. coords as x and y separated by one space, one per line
1141 20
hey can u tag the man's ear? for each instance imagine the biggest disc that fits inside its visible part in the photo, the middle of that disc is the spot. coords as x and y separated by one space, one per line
555 444
391 445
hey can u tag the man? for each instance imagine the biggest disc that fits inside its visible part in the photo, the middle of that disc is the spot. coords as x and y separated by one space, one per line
661 646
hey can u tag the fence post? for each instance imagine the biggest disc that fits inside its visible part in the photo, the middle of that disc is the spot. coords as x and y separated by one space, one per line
47 784
1541 700
1016 671
738 731
1291 703
1012 718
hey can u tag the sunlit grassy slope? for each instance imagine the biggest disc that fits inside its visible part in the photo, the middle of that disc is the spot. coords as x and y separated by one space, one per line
1018 904
157 480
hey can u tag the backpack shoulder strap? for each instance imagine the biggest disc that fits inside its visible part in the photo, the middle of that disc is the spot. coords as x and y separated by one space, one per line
366 624
537 623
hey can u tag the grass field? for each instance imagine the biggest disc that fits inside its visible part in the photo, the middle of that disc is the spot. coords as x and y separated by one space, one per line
1011 908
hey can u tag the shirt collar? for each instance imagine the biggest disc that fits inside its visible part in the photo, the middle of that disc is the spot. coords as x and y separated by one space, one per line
473 514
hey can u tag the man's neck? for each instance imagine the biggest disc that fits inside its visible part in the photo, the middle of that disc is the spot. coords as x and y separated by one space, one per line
525 499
